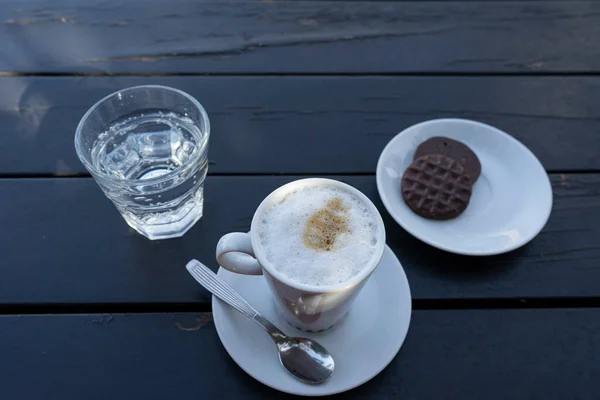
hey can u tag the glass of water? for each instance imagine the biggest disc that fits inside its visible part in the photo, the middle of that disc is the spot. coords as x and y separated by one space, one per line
146 147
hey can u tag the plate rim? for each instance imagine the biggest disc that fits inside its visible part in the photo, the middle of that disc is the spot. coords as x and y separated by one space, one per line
457 250
388 360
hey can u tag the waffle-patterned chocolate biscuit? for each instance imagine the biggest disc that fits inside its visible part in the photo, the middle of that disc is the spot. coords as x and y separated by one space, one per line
436 187
453 149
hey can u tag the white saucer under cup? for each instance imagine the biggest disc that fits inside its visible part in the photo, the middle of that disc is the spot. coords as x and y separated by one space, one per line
510 203
362 344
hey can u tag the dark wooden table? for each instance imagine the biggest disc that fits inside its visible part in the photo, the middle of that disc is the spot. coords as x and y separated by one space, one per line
92 310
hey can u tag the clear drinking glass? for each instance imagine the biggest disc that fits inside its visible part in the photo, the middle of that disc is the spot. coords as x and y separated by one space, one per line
147 148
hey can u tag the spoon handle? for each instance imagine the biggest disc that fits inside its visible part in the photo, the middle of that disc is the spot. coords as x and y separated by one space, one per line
223 291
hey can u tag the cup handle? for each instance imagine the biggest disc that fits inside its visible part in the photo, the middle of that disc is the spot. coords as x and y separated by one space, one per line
234 253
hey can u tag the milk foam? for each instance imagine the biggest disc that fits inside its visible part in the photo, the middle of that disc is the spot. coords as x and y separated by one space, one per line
283 225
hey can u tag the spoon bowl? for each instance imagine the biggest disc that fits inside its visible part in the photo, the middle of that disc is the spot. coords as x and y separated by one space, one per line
306 359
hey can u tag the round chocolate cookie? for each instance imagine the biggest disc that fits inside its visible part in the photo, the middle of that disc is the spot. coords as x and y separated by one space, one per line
453 149
436 187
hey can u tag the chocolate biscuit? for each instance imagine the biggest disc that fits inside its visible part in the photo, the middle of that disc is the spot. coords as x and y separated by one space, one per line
436 187
453 149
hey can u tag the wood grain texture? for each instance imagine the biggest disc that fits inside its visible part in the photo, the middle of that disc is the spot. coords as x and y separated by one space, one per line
299 37
63 242
317 124
454 355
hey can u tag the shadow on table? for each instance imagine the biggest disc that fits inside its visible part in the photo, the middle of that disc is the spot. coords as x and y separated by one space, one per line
39 116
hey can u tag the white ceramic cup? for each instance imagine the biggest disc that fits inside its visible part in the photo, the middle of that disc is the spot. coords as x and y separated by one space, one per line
305 307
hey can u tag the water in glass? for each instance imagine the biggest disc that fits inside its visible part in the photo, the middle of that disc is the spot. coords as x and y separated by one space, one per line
159 160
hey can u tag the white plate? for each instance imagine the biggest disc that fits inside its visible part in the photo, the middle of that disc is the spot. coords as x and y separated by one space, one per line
511 200
362 344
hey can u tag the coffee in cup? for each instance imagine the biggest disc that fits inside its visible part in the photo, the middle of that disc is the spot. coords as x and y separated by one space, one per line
318 235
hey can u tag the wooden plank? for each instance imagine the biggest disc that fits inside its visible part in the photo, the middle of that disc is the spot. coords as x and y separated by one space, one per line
460 354
64 243
299 36
311 121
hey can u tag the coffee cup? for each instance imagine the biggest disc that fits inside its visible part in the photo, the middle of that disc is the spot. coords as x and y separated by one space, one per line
316 241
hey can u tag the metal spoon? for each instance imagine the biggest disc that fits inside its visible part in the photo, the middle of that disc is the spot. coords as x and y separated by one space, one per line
304 358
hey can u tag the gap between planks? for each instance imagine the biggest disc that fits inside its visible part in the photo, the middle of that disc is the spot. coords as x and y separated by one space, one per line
417 305
448 74
261 174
